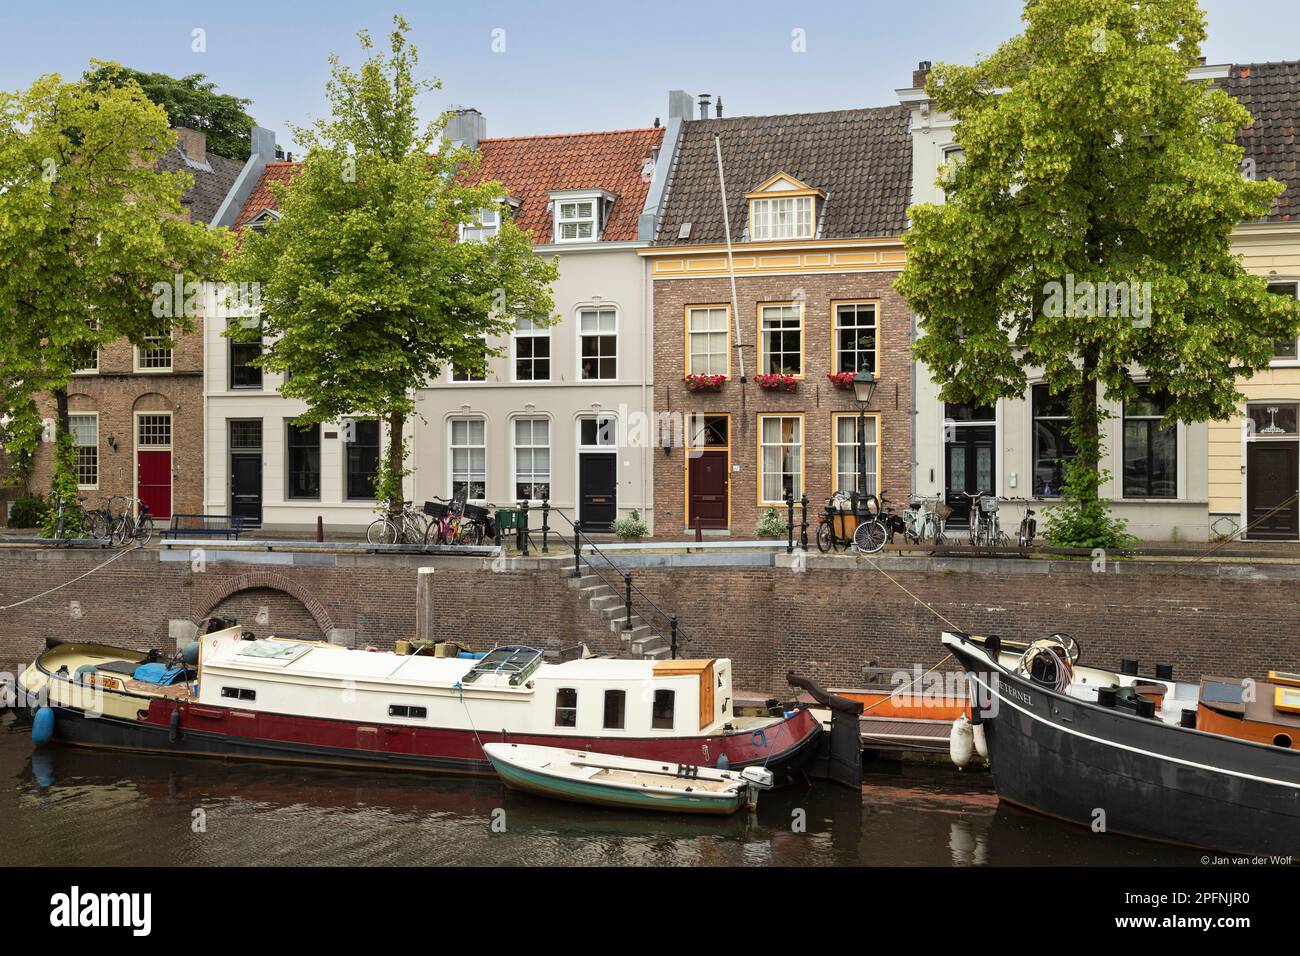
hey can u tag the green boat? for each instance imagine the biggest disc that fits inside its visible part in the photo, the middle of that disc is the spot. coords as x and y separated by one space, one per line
609 780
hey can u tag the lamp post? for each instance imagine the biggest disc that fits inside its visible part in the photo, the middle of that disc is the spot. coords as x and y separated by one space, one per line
864 389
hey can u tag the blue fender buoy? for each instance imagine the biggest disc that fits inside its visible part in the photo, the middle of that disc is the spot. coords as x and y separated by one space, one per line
723 762
42 726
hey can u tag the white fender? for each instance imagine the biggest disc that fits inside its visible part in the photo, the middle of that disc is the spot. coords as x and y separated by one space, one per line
981 741
961 742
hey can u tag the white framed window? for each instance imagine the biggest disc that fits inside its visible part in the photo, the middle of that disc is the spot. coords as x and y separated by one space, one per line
780 457
485 225
532 448
576 220
708 334
1286 351
598 347
855 337
949 154
85 438
781 217
532 361
847 463
154 357
780 338
597 431
468 452
153 430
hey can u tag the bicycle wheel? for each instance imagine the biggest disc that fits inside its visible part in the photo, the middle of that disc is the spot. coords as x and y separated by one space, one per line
381 531
471 532
121 530
870 536
143 531
825 537
97 524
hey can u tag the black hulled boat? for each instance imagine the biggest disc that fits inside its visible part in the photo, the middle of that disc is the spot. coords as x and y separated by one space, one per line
1123 770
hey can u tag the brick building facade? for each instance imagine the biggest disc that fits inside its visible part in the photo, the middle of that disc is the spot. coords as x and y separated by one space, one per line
749 327
825 410
137 414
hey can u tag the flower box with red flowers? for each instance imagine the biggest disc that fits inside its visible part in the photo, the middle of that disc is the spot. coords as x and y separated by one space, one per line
778 381
699 382
842 380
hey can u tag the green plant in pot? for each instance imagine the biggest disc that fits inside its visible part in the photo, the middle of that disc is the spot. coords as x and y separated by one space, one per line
631 527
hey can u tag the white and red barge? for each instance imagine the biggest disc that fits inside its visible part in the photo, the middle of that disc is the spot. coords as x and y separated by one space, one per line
291 700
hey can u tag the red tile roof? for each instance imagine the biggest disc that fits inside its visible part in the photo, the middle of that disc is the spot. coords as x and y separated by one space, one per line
261 197
531 167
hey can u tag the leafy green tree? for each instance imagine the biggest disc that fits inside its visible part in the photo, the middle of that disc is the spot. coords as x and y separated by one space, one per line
366 294
1087 231
88 230
193 102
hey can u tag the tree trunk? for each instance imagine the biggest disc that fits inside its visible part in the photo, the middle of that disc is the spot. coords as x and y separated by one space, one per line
396 429
1087 438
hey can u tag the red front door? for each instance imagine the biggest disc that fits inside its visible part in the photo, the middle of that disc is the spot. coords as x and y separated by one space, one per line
154 481
709 479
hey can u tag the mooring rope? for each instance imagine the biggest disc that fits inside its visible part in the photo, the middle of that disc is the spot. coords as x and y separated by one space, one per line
60 587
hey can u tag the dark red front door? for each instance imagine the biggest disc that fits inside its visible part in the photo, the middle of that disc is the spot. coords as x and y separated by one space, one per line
154 481
709 489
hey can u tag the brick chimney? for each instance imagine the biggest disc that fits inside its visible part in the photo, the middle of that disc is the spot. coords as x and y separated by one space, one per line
193 144
920 74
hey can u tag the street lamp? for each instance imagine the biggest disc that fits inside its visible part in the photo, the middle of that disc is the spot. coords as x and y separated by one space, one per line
864 389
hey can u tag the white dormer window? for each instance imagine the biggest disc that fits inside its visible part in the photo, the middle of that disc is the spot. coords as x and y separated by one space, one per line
263 219
580 214
783 208
485 225
575 221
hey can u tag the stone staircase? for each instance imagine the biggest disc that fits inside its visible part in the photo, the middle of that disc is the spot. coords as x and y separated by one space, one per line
642 641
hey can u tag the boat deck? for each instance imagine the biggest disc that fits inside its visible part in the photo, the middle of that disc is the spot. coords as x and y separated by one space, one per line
667 780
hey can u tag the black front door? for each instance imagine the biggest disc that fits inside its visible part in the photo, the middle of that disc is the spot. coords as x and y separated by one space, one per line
1272 477
246 486
968 467
597 490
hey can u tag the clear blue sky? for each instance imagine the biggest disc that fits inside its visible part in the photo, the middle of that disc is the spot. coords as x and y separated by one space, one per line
566 66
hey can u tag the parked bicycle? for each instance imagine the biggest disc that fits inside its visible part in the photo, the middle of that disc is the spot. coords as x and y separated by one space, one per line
133 522
985 525
1028 524
834 524
923 521
879 527
407 526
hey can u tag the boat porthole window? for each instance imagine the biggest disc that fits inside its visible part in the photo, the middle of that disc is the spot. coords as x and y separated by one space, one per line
661 717
239 693
1282 740
407 710
566 707
615 707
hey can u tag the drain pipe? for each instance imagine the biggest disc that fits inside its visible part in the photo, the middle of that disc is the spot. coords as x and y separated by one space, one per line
731 262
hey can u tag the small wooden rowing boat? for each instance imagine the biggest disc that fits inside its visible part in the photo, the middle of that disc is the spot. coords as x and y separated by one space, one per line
610 780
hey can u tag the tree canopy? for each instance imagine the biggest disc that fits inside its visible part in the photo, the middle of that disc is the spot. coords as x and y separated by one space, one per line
1086 231
193 102
366 293
89 231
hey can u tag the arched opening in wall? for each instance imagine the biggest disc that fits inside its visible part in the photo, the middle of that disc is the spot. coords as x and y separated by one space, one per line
270 612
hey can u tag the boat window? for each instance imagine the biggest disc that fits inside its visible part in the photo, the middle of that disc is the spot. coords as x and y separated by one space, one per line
239 693
407 710
566 707
615 705
661 717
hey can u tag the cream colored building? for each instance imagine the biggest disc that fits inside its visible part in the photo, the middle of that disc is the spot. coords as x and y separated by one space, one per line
1159 481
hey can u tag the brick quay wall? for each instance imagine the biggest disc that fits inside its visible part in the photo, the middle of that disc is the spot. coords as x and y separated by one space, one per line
826 620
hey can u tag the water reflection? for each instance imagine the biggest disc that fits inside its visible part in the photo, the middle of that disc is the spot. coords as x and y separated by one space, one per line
70 806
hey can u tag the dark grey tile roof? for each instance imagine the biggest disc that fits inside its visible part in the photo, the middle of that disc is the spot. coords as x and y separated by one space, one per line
862 160
212 180
1271 91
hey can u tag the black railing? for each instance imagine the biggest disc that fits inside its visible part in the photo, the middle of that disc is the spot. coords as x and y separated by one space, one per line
676 634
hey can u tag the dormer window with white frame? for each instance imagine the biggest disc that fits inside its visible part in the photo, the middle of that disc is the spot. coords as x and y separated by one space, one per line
264 218
580 215
783 208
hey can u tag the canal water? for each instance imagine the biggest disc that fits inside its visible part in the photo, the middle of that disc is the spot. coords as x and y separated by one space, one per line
73 807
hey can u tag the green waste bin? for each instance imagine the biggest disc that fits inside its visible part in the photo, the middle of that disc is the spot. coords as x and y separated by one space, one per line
508 519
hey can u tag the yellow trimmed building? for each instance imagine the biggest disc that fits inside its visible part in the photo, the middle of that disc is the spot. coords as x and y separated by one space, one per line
1254 459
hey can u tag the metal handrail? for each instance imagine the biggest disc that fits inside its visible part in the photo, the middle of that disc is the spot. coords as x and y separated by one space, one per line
669 619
